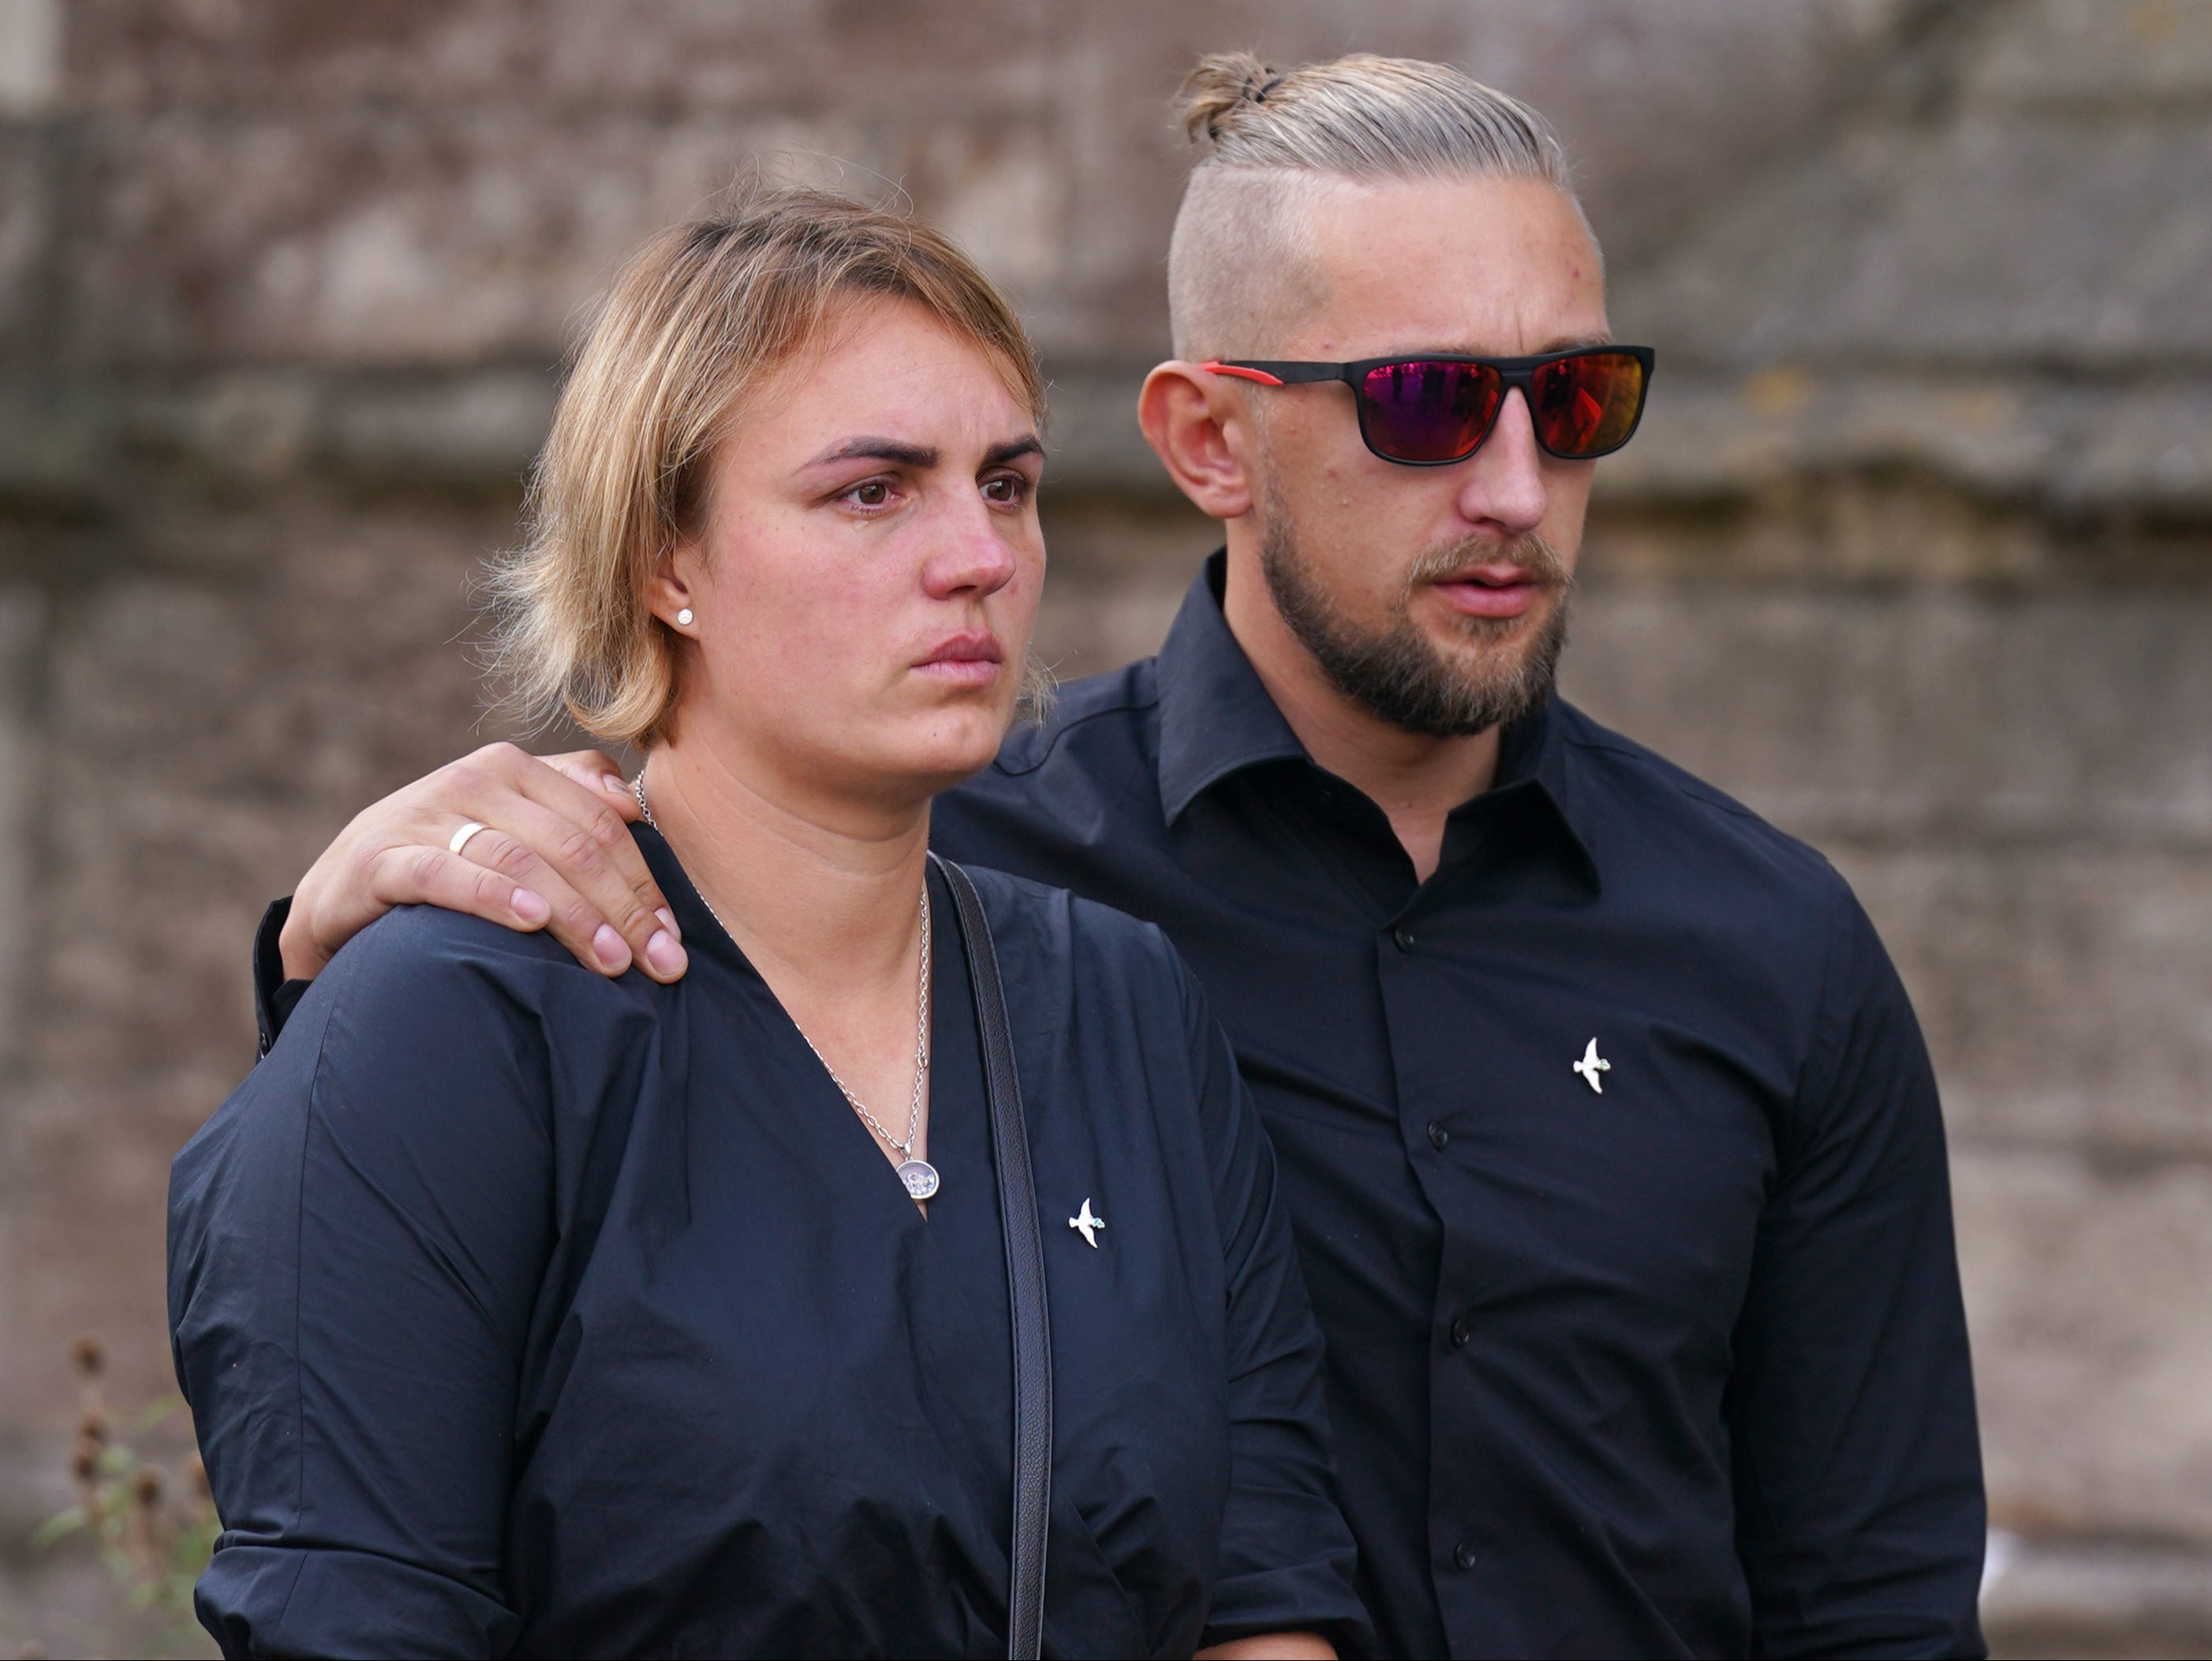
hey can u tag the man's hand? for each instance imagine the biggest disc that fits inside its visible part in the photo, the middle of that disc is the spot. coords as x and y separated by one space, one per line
555 853
1271 1647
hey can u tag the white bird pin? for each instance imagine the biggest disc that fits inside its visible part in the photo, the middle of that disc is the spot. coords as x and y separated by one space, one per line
1086 1224
1591 1065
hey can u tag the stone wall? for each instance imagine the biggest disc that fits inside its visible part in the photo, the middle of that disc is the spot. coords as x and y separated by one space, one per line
1914 553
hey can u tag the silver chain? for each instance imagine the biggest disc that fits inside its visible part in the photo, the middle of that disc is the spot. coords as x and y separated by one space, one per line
920 1021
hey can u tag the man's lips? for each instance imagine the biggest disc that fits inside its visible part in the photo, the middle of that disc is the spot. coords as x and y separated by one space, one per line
971 660
1491 591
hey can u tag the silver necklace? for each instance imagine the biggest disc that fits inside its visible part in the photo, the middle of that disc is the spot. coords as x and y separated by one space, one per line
918 1176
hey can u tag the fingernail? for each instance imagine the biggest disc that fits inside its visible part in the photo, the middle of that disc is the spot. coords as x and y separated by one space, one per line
668 922
614 784
529 907
663 954
611 949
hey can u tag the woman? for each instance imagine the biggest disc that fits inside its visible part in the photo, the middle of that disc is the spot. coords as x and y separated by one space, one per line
523 1311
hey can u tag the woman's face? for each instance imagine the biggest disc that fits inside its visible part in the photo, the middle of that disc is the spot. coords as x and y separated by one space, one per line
863 587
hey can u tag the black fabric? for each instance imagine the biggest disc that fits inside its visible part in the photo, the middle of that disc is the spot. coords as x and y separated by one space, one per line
1030 1319
522 1311
1676 1367
274 998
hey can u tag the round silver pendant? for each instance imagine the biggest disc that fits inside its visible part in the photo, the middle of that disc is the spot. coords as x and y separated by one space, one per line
920 1177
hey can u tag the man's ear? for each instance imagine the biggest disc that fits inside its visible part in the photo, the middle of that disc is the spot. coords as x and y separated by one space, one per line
1197 424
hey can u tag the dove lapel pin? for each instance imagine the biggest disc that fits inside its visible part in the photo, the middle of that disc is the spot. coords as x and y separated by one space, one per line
1087 1225
1591 1065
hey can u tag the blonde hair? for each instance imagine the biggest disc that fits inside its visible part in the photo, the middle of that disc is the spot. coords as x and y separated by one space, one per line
1236 262
691 327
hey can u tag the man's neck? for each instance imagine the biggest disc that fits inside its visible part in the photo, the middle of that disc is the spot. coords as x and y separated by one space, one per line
1416 780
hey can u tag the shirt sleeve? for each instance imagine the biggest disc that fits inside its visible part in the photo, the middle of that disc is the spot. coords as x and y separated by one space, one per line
1861 1522
274 998
1286 1555
356 1239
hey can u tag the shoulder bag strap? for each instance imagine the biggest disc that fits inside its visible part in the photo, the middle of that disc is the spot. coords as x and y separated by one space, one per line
1032 1323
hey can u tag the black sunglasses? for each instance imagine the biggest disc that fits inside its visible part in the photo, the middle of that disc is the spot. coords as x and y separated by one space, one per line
1432 411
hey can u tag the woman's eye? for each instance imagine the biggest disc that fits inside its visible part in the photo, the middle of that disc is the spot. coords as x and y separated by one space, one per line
1007 490
870 493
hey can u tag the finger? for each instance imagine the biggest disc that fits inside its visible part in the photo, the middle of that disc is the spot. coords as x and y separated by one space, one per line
431 876
586 840
593 851
572 918
596 771
580 921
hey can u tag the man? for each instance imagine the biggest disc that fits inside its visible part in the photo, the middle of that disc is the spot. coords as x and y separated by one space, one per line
1610 1137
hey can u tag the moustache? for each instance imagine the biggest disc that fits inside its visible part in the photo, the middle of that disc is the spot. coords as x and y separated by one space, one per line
1537 561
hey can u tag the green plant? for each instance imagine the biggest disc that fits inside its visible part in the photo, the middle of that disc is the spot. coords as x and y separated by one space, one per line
154 1523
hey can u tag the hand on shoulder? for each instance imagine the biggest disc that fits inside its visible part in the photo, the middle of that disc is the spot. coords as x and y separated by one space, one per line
551 850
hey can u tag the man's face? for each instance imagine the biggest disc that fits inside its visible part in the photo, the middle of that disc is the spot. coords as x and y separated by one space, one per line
1436 597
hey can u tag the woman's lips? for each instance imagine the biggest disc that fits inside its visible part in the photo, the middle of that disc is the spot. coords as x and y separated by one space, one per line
1490 591
964 660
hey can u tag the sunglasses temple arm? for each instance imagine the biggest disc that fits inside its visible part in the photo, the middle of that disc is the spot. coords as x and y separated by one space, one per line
1260 376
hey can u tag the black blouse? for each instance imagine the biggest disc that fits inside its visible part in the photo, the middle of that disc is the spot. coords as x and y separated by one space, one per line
524 1312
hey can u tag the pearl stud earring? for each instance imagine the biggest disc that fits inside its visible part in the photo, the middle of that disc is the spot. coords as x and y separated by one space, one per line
683 617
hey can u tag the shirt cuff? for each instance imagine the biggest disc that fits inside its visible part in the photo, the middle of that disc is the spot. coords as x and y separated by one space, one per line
274 998
1309 1597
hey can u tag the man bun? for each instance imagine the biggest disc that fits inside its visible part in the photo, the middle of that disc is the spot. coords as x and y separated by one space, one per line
1222 84
1268 137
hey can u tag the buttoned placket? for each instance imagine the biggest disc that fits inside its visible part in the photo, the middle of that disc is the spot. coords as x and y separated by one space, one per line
1406 980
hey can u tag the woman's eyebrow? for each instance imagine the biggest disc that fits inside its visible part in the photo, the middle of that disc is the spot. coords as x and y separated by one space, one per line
1029 444
921 457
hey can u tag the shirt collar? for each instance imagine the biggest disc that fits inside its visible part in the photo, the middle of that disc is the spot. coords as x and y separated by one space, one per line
1217 719
1534 754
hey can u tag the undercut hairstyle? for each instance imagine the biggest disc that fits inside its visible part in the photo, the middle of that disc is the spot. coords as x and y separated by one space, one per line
1273 141
691 327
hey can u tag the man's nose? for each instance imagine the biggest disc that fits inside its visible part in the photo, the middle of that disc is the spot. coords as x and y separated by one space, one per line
1505 486
972 553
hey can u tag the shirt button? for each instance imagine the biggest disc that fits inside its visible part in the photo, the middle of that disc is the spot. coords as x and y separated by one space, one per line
1402 938
1461 1331
1439 1138
1463 1555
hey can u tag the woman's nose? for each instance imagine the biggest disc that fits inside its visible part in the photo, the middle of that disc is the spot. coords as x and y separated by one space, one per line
974 554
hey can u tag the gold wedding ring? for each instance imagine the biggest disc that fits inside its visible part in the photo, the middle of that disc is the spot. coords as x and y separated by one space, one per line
461 837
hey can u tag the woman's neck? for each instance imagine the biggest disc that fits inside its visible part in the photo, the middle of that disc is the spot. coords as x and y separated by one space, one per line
822 895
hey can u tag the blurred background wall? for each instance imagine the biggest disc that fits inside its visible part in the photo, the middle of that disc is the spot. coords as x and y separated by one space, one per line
1914 553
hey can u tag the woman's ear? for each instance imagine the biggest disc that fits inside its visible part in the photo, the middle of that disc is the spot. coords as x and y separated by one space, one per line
1197 424
668 592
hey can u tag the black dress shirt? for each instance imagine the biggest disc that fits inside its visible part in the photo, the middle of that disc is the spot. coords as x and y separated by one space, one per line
523 1310
1662 1355
1659 1356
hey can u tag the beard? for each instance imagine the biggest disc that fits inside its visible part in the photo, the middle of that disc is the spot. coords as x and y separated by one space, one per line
1396 672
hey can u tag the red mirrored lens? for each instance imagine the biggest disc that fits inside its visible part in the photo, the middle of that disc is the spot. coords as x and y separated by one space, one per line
1586 405
1429 411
